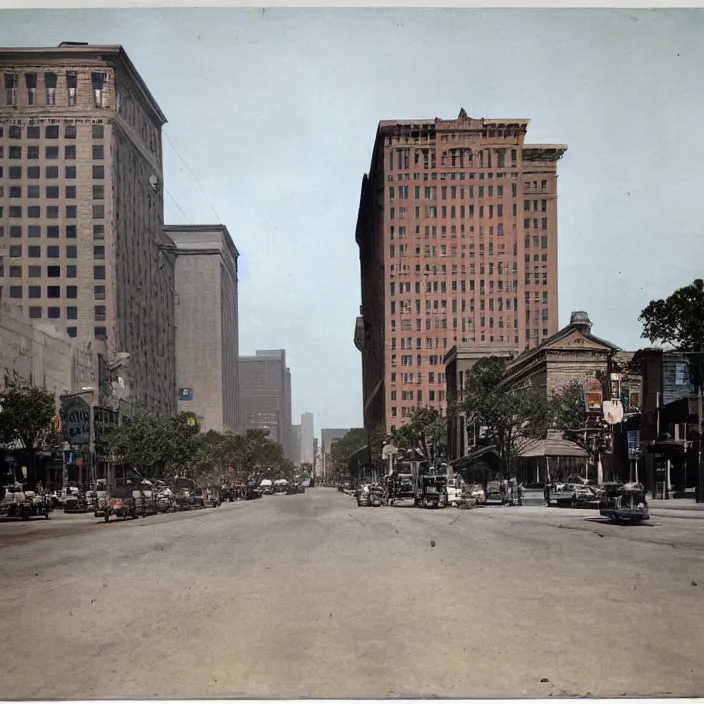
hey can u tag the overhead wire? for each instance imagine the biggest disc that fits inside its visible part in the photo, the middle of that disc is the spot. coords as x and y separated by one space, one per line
177 205
190 170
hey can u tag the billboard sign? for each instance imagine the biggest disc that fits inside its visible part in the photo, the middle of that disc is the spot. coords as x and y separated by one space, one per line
75 413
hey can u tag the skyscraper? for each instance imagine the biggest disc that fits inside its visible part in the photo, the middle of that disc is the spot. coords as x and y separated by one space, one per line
207 341
307 438
81 206
457 234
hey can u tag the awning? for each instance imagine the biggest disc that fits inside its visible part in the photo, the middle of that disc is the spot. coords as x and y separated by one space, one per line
554 445
464 462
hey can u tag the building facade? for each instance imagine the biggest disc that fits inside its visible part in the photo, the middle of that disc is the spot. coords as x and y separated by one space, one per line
81 206
307 438
457 236
263 394
296 444
206 318
327 438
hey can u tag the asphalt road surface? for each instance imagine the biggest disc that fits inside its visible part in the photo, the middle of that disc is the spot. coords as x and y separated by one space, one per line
311 596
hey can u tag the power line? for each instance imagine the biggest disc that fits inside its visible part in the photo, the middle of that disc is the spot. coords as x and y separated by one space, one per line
177 205
183 161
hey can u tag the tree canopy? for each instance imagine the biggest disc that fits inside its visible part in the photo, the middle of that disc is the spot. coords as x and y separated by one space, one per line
425 431
345 447
26 415
506 417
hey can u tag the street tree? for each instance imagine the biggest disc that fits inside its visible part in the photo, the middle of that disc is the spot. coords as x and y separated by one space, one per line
25 416
506 417
426 431
678 320
343 448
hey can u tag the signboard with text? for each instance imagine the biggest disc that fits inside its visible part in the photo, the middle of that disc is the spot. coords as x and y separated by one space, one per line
75 414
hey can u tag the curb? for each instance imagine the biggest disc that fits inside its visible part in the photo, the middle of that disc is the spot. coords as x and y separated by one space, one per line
675 513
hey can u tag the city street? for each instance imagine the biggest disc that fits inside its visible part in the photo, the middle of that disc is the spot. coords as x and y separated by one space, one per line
311 596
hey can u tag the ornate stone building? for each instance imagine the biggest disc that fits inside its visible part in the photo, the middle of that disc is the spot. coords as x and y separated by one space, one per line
81 206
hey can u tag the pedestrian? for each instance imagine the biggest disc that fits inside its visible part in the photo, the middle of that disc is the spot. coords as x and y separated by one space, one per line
519 492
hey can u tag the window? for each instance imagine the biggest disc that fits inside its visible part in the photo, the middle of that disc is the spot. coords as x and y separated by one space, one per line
53 312
34 172
70 192
98 152
52 192
69 131
35 312
71 232
32 192
99 272
34 272
98 131
98 171
15 172
34 251
98 232
15 292
51 132
52 172
35 292
11 93
51 152
72 332
72 313
15 153
53 291
98 192
99 293
98 211
15 272
50 86
52 232
15 230
71 271
34 211
99 313
53 272
100 333
70 172
15 191
71 251
52 252
52 212
70 151
71 86
98 83
72 292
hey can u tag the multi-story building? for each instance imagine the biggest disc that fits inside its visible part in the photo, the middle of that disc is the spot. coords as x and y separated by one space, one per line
327 438
296 444
207 340
457 233
81 206
264 394
307 438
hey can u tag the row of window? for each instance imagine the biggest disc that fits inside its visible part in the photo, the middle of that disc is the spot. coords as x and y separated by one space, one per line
34 212
71 312
50 80
453 176
431 192
408 377
53 193
35 291
53 251
52 231
50 173
457 158
32 152
51 131
507 304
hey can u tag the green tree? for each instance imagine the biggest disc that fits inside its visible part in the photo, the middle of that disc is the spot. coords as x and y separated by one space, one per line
141 442
426 430
507 417
26 417
343 448
678 320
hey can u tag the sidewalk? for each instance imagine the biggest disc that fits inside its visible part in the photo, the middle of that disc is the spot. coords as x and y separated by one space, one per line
676 508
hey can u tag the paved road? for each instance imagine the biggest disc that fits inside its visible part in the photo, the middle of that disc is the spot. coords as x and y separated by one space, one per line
310 596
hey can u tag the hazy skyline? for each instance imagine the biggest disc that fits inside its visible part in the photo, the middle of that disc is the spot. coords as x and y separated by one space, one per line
276 110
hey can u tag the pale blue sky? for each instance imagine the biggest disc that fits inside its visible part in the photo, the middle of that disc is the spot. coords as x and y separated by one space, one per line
275 111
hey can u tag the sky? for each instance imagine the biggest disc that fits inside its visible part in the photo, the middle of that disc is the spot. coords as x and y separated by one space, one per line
275 112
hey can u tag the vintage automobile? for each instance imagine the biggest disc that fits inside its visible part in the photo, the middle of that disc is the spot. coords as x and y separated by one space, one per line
75 500
492 492
370 495
17 503
431 491
574 493
183 493
624 502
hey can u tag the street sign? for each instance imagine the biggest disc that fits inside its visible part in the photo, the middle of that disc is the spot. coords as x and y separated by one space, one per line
185 394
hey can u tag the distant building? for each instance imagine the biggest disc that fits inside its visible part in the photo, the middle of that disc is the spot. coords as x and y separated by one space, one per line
327 438
263 394
307 438
457 236
207 338
296 444
83 207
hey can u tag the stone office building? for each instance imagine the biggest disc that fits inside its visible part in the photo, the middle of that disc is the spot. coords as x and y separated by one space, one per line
81 206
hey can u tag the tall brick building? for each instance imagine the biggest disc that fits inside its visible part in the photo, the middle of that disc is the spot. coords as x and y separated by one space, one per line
207 328
81 206
457 235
